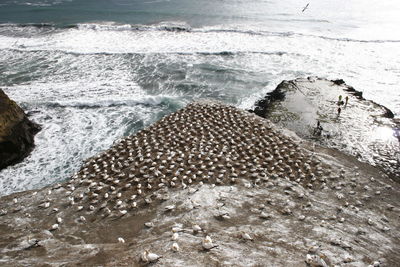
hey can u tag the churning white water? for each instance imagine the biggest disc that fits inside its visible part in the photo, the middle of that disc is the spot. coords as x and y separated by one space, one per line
89 82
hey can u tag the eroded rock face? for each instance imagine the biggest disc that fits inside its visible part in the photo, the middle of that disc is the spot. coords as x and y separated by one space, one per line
16 132
209 185
362 128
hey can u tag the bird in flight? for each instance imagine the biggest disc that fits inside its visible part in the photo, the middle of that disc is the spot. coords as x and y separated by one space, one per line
304 9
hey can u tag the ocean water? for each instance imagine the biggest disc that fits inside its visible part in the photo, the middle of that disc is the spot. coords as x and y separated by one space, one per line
92 71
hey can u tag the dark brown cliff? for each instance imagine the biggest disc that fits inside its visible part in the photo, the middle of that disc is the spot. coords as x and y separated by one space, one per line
16 132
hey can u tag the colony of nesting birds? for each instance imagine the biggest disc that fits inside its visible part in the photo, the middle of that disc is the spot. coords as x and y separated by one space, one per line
203 143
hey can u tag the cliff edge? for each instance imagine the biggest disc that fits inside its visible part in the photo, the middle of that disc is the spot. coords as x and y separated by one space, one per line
16 132
208 185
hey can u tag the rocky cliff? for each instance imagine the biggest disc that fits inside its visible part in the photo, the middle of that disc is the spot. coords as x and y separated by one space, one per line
16 132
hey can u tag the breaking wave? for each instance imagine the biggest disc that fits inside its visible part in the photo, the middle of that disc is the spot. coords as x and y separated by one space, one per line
87 104
176 27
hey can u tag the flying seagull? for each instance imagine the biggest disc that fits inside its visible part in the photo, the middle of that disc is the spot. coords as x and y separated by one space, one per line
304 9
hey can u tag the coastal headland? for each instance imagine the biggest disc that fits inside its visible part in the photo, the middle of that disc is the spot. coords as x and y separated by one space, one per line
208 185
362 128
16 132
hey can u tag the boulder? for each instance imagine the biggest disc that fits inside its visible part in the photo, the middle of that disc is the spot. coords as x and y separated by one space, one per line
16 132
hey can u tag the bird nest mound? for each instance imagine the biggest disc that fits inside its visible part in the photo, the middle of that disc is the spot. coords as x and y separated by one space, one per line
205 142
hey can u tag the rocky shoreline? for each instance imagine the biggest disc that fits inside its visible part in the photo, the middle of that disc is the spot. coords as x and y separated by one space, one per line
208 185
363 128
16 132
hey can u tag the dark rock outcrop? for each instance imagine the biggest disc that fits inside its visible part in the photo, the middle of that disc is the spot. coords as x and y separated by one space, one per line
361 128
16 132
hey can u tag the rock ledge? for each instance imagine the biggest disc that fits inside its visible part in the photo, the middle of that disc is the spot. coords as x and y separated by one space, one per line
362 128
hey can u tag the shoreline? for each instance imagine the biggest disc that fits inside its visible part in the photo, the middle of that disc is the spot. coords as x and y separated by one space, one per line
364 129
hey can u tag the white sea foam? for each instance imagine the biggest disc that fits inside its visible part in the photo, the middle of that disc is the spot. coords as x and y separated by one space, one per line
79 119
91 84
328 57
68 137
87 38
90 103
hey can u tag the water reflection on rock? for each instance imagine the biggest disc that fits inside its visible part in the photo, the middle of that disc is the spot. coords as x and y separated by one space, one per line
361 128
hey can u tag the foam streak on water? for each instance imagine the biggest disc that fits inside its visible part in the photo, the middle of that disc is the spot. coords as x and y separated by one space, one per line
90 83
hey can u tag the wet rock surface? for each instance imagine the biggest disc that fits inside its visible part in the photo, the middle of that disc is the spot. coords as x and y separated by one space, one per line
16 132
363 128
209 185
